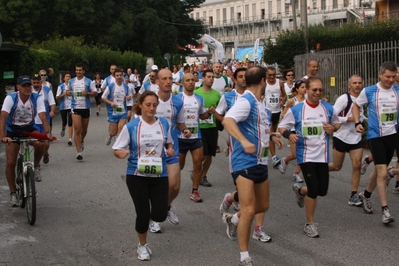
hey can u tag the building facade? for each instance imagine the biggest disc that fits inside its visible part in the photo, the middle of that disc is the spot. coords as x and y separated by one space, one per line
244 21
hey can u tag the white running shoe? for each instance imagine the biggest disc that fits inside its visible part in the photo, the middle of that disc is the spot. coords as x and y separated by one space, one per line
172 217
224 206
155 227
143 252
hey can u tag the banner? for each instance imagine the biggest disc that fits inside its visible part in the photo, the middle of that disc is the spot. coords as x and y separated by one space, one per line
248 53
215 45
256 48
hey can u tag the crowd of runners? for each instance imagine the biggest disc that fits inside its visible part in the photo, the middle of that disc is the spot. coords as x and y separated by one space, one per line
155 121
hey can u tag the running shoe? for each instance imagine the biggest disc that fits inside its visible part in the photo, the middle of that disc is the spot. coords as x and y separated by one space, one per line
355 201
226 151
231 229
224 206
364 166
276 161
261 235
310 230
389 176
282 166
196 197
297 178
300 200
247 262
79 157
395 190
69 142
97 113
143 252
108 140
366 203
14 202
172 217
37 174
155 227
204 182
62 133
46 158
236 206
387 217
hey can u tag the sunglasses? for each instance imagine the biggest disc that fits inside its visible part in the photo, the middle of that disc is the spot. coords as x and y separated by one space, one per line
315 90
298 83
43 75
290 75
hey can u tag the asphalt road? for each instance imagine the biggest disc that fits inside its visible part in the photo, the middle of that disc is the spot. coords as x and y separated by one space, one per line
85 216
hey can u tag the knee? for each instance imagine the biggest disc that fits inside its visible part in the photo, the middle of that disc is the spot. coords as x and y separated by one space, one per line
247 211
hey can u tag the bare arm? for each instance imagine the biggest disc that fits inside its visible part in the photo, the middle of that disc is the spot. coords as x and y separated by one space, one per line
121 154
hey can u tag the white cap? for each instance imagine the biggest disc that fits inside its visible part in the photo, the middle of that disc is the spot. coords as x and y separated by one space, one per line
154 67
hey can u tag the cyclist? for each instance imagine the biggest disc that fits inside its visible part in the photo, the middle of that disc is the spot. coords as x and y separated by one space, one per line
18 116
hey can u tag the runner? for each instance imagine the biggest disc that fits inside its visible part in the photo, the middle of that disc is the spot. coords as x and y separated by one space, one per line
115 96
193 110
65 107
313 120
147 179
382 104
81 90
247 123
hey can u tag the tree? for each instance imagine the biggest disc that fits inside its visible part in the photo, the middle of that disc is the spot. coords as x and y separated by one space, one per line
151 27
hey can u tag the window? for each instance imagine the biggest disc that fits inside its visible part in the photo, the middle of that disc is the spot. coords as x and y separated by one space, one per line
246 16
346 3
217 16
239 16
314 4
197 15
204 15
253 10
262 13
287 9
335 3
323 4
270 8
279 7
224 15
210 21
232 13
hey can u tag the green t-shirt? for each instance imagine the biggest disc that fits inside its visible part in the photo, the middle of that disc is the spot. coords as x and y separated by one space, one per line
210 99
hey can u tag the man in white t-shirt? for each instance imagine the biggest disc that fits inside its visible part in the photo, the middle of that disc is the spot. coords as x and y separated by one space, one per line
275 97
346 139
17 116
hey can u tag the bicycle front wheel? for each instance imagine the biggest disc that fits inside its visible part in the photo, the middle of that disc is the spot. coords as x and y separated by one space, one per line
30 196
20 183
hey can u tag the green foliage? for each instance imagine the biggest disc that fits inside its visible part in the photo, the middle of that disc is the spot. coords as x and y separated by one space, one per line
33 60
149 27
290 43
71 51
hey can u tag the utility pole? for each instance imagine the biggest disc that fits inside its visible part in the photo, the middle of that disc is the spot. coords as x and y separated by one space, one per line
294 14
304 22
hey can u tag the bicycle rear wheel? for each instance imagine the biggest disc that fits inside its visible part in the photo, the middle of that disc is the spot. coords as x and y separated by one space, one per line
20 183
30 196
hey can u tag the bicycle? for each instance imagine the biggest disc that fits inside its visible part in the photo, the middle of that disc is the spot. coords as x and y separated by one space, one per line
25 179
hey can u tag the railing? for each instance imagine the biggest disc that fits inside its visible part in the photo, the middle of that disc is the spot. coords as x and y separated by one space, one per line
340 64
271 17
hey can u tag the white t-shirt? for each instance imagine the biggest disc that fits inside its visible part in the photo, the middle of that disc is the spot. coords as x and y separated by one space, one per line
50 100
272 97
176 78
347 132
219 84
23 113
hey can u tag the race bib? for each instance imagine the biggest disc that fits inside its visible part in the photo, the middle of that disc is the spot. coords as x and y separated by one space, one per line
312 129
149 166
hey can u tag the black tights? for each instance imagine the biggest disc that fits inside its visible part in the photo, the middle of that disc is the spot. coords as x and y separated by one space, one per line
145 191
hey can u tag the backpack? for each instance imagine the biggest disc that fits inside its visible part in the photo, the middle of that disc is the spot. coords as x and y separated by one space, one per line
348 106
